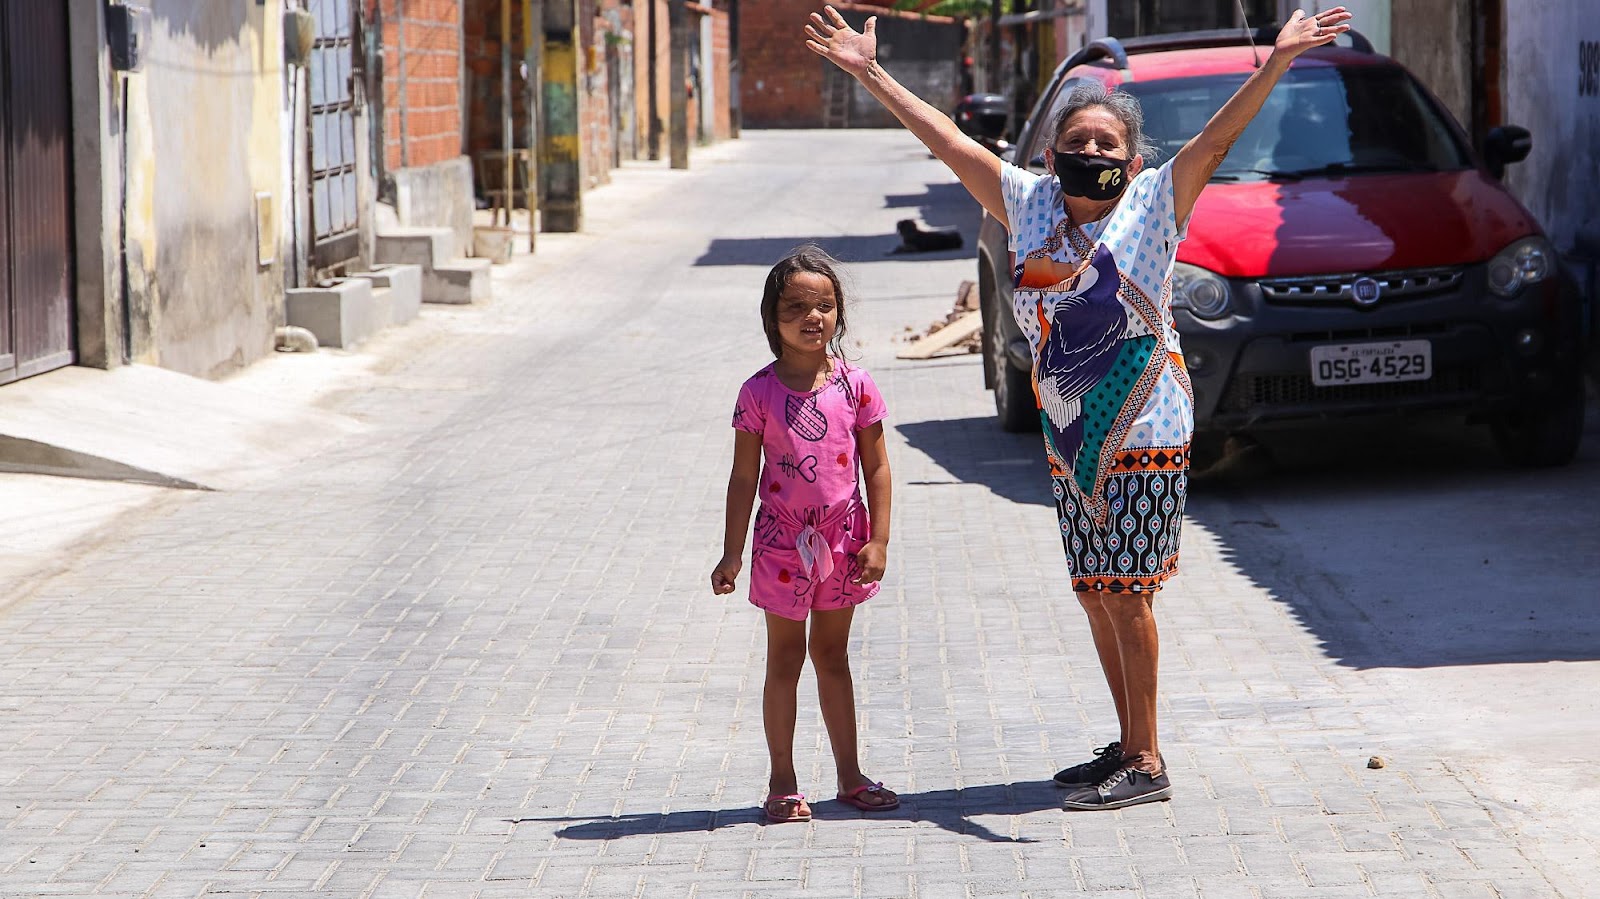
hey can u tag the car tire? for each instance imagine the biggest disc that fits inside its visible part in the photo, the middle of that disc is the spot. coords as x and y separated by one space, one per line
1013 387
1544 435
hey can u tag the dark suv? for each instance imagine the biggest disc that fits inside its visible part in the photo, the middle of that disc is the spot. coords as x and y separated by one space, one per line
1352 256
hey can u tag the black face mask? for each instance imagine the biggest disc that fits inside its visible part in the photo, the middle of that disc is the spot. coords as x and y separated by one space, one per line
1095 177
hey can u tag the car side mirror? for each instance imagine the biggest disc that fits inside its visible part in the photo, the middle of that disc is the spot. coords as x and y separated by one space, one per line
1036 164
1505 145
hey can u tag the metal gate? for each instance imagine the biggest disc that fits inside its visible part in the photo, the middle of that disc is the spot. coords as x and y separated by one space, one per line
333 135
35 190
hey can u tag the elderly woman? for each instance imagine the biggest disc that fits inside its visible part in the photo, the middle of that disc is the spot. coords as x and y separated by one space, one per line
1094 244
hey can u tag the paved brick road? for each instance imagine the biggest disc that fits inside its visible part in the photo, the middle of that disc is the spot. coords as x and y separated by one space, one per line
473 654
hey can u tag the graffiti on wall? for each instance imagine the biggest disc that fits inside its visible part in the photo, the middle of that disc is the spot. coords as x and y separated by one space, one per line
1588 68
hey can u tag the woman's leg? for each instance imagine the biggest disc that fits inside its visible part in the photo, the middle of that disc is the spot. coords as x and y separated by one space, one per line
836 692
1105 644
786 656
1133 621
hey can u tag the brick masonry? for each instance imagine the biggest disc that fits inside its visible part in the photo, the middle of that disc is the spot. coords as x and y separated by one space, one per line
780 80
721 74
422 56
783 84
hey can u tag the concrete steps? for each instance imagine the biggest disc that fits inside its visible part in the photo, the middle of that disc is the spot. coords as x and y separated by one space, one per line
397 289
446 277
342 312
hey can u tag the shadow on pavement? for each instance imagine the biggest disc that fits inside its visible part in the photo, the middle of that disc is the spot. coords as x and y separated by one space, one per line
976 451
950 810
1417 547
764 251
943 205
940 205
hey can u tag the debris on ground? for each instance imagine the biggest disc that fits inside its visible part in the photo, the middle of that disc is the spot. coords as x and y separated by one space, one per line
959 332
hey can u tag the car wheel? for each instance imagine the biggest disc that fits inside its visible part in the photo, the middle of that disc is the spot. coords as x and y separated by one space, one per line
1546 434
1013 388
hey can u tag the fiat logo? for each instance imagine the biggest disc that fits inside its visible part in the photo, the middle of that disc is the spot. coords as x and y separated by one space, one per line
1366 291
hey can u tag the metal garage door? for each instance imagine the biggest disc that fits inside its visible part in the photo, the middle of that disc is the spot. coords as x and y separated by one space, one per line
35 190
333 135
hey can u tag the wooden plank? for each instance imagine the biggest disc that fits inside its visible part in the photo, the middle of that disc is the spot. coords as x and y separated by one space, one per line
946 337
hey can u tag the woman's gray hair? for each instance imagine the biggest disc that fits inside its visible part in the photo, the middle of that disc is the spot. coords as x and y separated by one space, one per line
1122 105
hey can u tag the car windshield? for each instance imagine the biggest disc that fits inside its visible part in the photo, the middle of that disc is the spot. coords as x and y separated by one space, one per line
1318 121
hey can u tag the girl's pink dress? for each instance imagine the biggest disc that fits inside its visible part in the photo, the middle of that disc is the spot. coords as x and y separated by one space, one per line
812 521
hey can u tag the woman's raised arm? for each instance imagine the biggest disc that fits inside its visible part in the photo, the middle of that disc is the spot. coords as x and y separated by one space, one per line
1198 160
857 53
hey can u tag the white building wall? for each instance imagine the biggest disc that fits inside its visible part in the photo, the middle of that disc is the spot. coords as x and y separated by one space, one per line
1552 87
1370 17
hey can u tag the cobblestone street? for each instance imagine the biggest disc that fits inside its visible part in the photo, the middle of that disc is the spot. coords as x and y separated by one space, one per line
473 652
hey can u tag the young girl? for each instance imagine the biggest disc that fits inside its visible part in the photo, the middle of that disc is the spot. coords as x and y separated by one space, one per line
815 421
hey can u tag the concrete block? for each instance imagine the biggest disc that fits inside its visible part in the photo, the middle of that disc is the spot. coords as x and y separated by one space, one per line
437 195
341 312
382 307
405 285
415 246
462 281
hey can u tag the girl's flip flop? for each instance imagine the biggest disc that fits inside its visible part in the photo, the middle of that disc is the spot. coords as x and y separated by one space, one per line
854 798
794 799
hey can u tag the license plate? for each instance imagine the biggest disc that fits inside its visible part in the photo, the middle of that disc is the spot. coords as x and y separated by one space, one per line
1371 363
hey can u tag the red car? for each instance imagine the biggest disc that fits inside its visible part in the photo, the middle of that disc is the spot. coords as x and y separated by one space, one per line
1353 256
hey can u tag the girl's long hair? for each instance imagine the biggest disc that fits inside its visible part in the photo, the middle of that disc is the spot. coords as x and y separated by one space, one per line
806 258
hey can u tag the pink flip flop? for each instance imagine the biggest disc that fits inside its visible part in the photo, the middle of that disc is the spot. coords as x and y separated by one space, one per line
796 799
854 798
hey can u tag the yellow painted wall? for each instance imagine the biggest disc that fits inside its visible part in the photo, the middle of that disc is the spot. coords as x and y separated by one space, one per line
206 119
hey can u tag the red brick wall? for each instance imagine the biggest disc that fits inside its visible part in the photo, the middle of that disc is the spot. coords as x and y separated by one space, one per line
780 80
430 59
721 50
641 73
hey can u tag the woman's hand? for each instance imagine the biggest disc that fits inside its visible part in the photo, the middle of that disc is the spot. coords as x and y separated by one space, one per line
1304 32
724 575
847 48
870 562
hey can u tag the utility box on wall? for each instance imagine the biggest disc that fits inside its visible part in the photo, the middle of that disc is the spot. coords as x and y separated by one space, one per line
127 36
299 36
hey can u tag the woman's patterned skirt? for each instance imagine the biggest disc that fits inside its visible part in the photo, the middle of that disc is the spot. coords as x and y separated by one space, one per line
1135 548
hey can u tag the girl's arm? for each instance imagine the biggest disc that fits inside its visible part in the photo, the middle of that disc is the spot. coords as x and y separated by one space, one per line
857 53
1193 166
875 472
741 498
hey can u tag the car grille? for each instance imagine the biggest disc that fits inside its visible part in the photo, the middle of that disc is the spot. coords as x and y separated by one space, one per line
1324 289
1392 332
1249 391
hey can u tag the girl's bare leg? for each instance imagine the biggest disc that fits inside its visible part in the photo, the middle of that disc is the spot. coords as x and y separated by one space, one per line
786 656
830 658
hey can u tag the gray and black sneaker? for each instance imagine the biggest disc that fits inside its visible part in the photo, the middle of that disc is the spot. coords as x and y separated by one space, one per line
1106 761
1126 786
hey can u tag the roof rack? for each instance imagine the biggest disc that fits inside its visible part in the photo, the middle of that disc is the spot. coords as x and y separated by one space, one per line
1116 51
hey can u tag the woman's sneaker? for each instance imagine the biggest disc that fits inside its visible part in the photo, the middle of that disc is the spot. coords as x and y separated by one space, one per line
1126 786
1105 763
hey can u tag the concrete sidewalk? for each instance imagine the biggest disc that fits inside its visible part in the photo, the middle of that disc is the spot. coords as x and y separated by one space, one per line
467 648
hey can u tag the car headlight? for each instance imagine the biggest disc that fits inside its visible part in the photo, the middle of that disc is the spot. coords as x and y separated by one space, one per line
1202 292
1527 261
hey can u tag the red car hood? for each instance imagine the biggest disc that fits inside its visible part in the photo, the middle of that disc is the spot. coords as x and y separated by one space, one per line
1357 223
